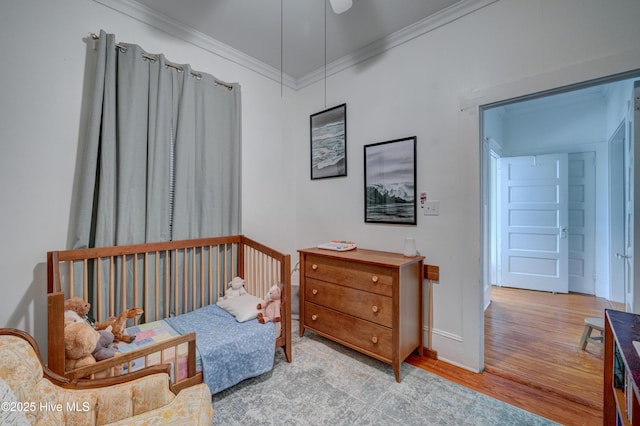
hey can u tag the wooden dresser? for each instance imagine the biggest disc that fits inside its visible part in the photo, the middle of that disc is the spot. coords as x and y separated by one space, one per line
370 301
621 368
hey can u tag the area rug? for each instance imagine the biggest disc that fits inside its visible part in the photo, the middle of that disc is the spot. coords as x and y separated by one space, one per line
328 384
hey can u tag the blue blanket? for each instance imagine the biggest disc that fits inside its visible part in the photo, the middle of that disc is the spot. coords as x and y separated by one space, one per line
230 351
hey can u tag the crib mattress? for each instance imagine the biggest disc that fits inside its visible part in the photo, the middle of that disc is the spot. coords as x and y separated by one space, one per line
156 332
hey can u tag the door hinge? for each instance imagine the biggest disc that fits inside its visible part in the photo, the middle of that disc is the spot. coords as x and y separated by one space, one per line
637 103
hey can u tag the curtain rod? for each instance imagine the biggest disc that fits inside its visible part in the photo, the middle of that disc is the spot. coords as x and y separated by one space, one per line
169 64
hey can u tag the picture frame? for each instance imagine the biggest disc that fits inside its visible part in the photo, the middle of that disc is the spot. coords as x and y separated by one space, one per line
390 182
328 135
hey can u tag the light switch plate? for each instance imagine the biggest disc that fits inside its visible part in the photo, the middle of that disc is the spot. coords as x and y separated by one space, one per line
431 208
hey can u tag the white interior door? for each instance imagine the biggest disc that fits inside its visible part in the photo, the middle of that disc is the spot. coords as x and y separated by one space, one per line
632 182
582 264
617 207
533 222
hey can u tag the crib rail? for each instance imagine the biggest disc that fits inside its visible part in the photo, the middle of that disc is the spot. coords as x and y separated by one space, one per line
163 349
165 279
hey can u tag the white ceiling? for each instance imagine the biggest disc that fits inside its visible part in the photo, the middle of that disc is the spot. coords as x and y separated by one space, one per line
253 27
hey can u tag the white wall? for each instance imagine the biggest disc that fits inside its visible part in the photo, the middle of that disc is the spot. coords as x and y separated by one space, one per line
432 87
43 55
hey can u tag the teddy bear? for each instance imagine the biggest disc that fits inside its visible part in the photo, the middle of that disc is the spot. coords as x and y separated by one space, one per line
235 288
80 341
77 310
119 324
271 308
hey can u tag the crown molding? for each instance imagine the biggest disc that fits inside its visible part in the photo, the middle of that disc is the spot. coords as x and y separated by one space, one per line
150 17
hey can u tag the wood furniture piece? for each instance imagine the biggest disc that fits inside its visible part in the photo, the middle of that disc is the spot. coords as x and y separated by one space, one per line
43 397
431 274
621 368
164 279
367 300
591 324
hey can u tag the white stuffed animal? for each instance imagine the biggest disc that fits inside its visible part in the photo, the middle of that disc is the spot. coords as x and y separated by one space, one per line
235 288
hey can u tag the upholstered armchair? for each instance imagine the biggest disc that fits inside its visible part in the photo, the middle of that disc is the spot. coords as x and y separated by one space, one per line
32 394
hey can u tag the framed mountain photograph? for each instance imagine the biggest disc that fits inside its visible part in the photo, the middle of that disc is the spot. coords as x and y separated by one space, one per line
329 143
390 182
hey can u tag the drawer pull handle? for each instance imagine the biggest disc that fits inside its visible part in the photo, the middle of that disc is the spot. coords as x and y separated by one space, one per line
374 309
374 279
314 291
314 317
374 339
314 266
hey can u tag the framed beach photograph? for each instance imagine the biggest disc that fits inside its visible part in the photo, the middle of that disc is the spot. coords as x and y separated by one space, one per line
329 143
390 182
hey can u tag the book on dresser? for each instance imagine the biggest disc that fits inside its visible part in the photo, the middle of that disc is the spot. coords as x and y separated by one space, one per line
367 300
621 368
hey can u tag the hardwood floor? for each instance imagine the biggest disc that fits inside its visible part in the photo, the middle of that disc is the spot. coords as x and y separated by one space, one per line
532 358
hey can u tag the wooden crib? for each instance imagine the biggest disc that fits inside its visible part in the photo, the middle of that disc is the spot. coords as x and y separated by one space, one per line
165 279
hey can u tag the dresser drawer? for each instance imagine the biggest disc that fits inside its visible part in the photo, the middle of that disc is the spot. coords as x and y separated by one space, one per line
369 306
362 334
363 276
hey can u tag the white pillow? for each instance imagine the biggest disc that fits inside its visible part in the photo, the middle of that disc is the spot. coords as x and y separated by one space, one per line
244 307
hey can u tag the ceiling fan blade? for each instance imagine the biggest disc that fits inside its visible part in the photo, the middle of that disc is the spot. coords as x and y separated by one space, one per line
340 6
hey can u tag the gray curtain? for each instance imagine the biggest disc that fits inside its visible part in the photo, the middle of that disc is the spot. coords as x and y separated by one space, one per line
152 125
161 156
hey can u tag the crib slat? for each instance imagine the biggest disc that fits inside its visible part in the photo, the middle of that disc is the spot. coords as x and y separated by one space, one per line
123 288
136 283
224 260
176 362
233 262
99 297
202 278
71 289
217 276
111 285
175 282
185 281
166 284
156 282
210 275
85 281
193 279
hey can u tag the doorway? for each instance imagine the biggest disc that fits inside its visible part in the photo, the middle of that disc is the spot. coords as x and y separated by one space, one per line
545 230
583 123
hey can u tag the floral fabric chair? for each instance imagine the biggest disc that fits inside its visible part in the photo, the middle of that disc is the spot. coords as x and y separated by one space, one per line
32 394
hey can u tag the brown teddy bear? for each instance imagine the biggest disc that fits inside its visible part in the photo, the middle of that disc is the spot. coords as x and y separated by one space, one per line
76 309
271 308
80 340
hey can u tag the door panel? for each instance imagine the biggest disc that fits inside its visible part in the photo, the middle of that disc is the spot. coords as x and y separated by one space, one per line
582 223
534 216
632 266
